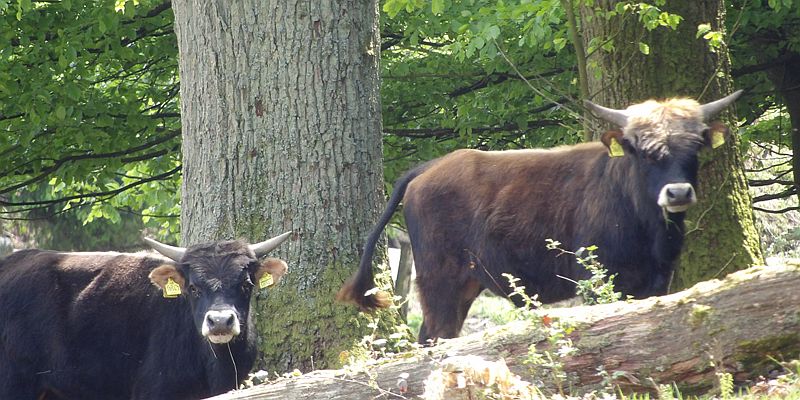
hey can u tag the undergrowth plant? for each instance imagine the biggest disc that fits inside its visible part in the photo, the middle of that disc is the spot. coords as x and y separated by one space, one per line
548 362
599 287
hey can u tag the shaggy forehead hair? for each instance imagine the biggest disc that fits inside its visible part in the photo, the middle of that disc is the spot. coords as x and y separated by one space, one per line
219 264
664 128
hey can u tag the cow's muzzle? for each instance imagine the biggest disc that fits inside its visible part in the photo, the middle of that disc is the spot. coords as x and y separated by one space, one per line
220 326
677 197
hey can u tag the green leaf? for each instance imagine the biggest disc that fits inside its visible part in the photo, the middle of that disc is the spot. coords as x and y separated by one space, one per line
702 29
437 6
61 112
644 48
493 32
559 43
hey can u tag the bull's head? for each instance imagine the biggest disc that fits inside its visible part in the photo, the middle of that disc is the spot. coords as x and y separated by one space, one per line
665 137
217 279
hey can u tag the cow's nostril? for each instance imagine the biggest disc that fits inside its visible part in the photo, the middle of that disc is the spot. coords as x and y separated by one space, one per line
670 194
230 320
210 321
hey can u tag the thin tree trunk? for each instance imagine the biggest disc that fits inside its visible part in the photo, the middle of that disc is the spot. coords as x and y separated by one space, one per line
736 325
402 285
787 81
282 131
720 231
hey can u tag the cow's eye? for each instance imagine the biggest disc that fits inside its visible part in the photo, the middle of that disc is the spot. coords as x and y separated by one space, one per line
247 286
194 290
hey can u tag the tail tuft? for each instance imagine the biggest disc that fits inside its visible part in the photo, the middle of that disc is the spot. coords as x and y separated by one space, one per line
351 293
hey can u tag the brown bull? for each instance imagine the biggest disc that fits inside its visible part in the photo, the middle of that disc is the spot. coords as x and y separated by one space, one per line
474 215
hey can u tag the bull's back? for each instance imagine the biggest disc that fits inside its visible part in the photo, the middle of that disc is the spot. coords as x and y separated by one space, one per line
79 322
487 213
503 192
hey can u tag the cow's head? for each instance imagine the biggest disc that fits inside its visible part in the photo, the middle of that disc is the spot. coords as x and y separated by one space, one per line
218 278
665 137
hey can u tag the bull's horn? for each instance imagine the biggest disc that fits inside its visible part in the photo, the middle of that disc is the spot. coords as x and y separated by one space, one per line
617 117
268 245
710 110
175 253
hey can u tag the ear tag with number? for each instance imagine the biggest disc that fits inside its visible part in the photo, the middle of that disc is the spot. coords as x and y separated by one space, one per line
265 281
171 289
615 149
717 139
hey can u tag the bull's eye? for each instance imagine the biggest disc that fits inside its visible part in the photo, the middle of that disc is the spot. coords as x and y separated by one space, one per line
194 290
247 286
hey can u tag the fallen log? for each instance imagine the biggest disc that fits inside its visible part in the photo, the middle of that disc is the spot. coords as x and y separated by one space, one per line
739 325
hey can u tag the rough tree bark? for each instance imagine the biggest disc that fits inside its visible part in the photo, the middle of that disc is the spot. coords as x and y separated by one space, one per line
720 231
732 325
281 118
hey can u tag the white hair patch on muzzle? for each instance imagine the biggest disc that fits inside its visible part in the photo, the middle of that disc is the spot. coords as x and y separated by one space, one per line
220 326
677 197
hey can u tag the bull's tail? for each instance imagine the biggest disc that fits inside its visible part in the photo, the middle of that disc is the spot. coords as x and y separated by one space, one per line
360 288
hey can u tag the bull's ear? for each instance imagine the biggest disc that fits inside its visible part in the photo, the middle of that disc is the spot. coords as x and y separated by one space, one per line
165 277
270 272
616 143
716 134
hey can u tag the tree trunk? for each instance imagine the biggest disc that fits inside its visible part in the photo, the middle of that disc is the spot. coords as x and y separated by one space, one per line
282 131
720 231
737 325
402 285
787 82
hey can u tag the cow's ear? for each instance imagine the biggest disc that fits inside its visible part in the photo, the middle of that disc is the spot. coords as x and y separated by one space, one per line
270 272
161 276
716 134
616 143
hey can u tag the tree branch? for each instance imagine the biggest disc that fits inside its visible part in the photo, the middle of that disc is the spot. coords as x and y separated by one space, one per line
109 193
782 195
444 132
767 182
86 156
781 211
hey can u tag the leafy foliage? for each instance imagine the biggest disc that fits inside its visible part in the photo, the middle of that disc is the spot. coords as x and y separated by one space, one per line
89 104
479 74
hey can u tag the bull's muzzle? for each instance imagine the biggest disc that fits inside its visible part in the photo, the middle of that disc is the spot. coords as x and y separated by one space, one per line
220 326
677 197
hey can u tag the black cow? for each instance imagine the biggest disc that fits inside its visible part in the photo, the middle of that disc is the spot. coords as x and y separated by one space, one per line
473 215
98 325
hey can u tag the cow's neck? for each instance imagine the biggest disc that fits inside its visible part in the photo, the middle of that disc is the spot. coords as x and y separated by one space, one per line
229 363
627 180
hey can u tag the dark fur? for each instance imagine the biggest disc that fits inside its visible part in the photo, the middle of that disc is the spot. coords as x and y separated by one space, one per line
93 326
473 215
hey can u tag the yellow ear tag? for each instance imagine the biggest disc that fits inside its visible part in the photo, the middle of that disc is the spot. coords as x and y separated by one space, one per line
266 281
615 149
717 139
171 289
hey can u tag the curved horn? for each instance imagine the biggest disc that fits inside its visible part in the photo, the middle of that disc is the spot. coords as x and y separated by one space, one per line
268 245
617 117
175 253
710 110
